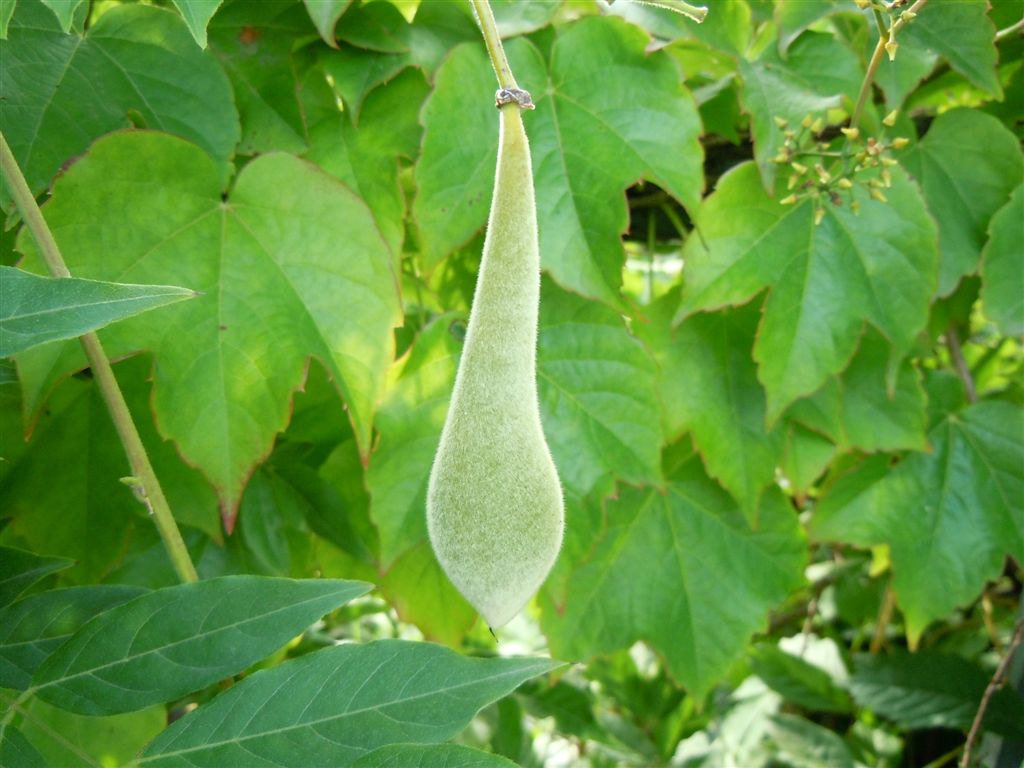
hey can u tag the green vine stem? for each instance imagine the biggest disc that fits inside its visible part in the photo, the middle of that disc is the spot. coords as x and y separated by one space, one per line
885 39
492 38
144 483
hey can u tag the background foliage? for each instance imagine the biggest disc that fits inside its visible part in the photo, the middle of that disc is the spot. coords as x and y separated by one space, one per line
790 430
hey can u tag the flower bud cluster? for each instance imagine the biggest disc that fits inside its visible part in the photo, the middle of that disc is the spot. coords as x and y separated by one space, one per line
827 171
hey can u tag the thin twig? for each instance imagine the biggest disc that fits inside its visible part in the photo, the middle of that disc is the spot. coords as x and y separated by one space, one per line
884 617
962 369
146 484
990 690
876 59
1004 33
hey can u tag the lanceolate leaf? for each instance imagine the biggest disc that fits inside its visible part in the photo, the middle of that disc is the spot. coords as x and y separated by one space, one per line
953 514
431 756
1002 267
825 280
36 309
658 575
34 627
332 707
292 265
176 640
19 570
143 62
930 689
598 82
967 165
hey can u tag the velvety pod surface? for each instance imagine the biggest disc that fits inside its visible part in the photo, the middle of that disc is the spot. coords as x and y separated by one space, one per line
494 502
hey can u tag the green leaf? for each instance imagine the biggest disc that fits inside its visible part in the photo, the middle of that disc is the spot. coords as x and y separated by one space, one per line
931 689
67 739
6 12
598 82
141 59
962 33
1002 267
800 743
178 639
806 457
376 27
35 626
333 706
257 42
825 280
364 157
36 309
64 496
65 11
815 75
794 18
798 681
431 756
709 382
953 514
597 398
410 419
197 14
657 575
15 750
19 570
325 15
857 410
274 261
967 165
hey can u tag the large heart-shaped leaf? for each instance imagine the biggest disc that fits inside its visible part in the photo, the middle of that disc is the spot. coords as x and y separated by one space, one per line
967 165
657 575
291 265
331 707
59 92
953 514
826 280
597 82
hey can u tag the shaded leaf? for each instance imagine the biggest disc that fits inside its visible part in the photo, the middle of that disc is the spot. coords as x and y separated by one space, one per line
931 689
597 398
140 58
19 570
32 628
36 309
175 640
967 165
376 27
15 750
6 12
325 15
799 743
431 756
856 409
597 82
274 262
825 280
197 14
953 514
67 739
333 706
816 74
656 575
257 44
1002 267
794 18
799 682
65 11
962 33
709 382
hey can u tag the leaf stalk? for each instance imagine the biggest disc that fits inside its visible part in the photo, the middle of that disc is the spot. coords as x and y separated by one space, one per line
149 489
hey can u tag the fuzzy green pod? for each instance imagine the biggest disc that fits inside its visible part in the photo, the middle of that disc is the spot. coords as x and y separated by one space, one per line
494 503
